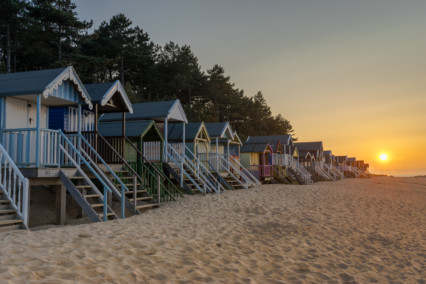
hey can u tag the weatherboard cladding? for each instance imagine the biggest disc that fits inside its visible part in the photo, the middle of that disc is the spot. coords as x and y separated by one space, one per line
150 110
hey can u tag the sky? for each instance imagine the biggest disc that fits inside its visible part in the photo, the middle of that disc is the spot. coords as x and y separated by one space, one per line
348 73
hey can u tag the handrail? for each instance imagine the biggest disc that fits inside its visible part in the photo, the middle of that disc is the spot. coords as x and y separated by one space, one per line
16 192
295 165
133 171
185 173
254 180
145 160
208 176
123 186
226 162
82 158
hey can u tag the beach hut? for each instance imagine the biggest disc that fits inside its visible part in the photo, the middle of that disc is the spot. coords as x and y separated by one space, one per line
257 158
139 136
175 161
329 165
316 164
197 138
224 150
40 153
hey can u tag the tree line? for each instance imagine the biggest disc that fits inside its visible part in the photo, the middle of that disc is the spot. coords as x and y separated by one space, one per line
42 34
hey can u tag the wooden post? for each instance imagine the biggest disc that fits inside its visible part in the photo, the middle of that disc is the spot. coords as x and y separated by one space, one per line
166 132
96 131
79 131
37 154
183 153
123 133
2 118
159 189
217 154
134 195
61 203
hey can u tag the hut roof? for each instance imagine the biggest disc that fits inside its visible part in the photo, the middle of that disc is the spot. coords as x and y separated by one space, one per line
273 140
192 131
352 159
133 128
102 93
327 153
305 154
159 111
44 82
309 146
341 159
255 147
220 130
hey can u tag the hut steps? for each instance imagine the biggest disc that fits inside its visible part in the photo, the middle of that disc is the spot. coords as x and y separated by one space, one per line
9 220
90 199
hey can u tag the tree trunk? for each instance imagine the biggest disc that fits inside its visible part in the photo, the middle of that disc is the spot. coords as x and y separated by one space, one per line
8 48
122 69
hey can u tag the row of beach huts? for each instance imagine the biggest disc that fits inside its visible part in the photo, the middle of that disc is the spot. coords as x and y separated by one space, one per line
115 159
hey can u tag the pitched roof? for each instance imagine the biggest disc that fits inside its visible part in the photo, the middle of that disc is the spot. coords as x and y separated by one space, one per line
133 128
192 131
352 159
309 146
220 130
101 93
305 154
172 110
341 159
327 153
273 140
25 83
254 147
44 82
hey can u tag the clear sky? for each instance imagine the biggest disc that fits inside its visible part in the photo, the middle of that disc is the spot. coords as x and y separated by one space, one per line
349 73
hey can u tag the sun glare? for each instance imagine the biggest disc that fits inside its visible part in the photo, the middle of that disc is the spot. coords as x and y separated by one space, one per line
383 157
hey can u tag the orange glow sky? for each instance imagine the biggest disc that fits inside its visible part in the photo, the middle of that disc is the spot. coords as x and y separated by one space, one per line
349 73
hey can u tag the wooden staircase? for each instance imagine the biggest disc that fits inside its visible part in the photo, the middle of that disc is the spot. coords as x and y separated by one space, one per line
295 176
88 197
9 220
137 198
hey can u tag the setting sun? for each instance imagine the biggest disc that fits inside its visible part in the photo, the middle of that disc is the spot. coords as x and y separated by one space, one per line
383 157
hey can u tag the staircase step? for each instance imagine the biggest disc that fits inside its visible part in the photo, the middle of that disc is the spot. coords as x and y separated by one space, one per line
10 222
127 184
96 205
141 198
108 214
83 186
137 191
77 177
7 211
146 206
4 201
91 195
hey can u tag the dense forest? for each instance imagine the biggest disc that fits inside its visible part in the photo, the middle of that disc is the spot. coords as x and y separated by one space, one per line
41 34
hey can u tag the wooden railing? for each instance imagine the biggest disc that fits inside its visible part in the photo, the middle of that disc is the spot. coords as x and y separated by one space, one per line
14 185
21 144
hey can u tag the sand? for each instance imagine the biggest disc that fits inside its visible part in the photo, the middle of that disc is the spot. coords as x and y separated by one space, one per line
351 231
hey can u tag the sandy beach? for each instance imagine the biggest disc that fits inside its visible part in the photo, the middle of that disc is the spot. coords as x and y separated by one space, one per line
351 231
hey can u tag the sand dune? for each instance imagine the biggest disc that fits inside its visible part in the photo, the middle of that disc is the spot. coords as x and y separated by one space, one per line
362 231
